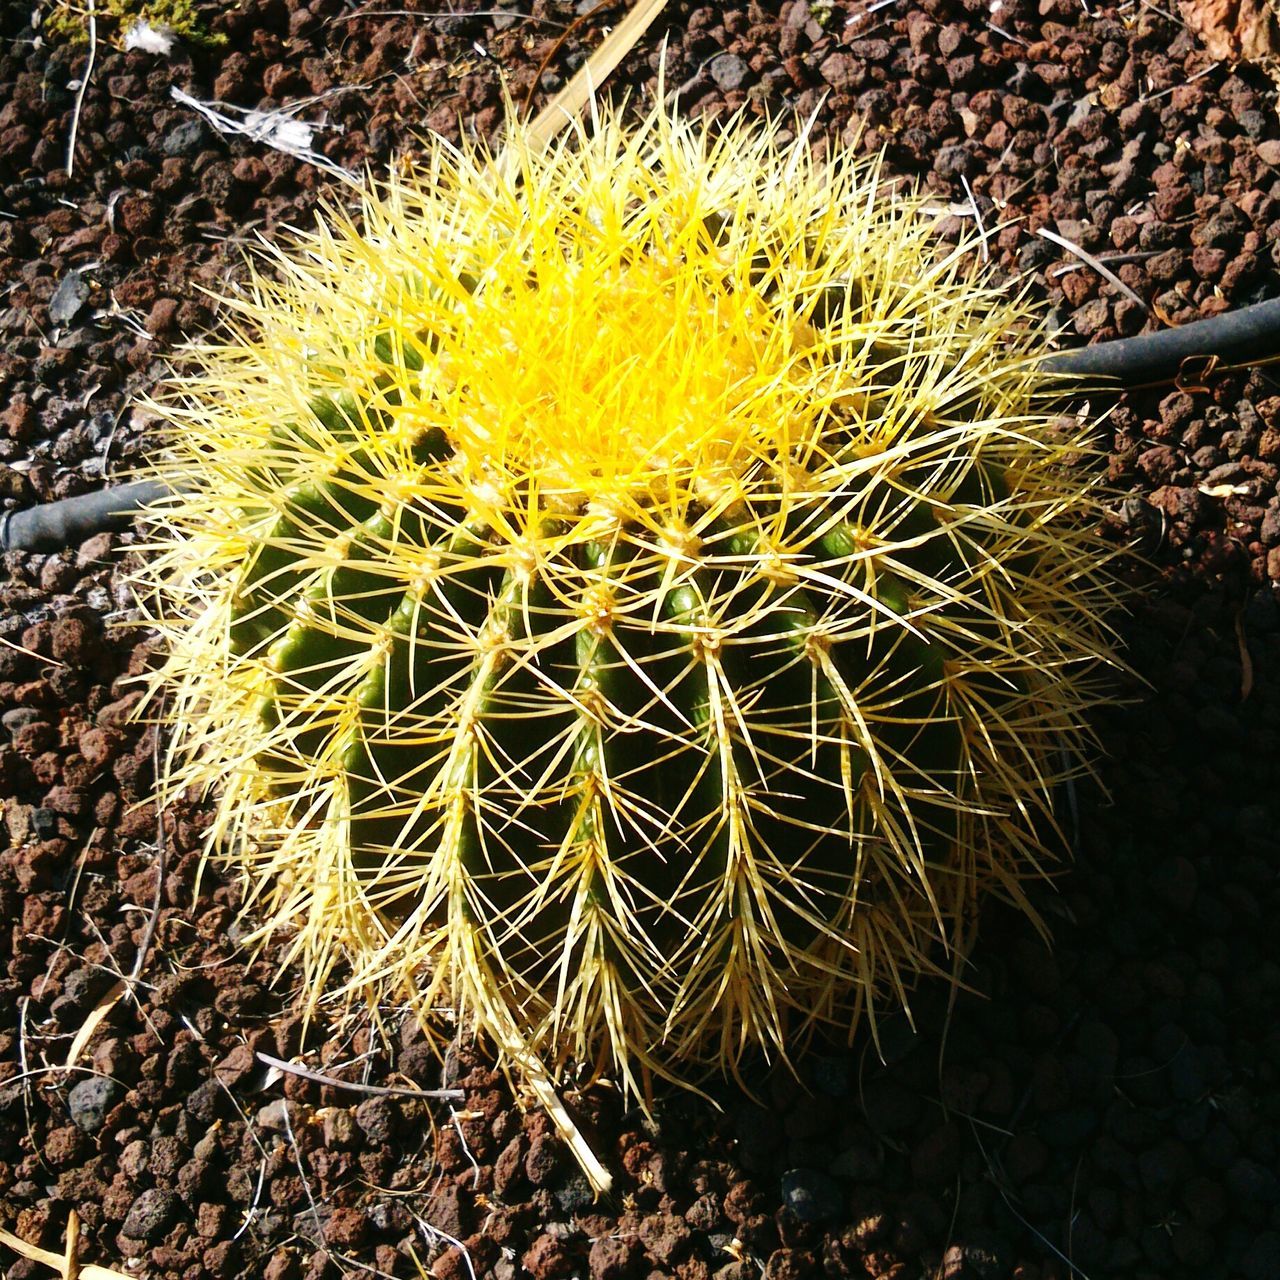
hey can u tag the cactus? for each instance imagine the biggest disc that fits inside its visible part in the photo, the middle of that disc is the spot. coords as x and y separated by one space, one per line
633 591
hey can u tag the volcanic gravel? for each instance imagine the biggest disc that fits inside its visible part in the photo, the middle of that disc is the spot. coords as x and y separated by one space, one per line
1107 1108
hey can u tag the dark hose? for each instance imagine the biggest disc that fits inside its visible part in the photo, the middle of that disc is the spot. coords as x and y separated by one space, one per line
1246 336
55 525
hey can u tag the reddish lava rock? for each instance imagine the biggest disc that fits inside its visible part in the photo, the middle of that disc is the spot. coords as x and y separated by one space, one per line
345 1228
612 1258
547 1258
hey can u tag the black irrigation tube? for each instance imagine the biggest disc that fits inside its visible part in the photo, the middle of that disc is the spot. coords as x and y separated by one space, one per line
1246 336
55 525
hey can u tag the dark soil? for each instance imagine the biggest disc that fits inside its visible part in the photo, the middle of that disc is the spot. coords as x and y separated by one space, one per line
1108 1109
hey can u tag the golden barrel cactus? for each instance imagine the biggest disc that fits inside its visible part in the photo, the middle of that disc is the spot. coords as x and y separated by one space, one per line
632 591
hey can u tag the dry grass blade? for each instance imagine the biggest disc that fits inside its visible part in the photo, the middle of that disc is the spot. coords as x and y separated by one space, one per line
82 88
576 93
30 653
110 998
539 1081
66 1264
1100 267
84 1032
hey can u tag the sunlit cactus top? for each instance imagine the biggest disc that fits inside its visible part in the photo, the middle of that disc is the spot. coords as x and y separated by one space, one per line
629 593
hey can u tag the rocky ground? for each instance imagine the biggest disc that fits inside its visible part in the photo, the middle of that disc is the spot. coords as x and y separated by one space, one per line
1108 1109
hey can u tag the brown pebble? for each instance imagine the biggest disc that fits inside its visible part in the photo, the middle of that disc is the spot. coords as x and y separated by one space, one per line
547 1258
136 214
612 1257
546 1154
346 1228
160 319
19 420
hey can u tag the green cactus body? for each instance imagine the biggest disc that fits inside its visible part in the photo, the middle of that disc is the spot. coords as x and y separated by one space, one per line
664 614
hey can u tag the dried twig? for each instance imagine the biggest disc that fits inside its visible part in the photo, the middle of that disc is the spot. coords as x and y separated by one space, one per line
1154 8
1101 268
25 1074
126 984
378 1090
557 45
302 1175
344 1258
251 1130
82 89
1246 659
1161 93
998 1181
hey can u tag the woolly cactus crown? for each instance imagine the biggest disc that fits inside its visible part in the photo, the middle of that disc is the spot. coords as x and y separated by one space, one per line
631 592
